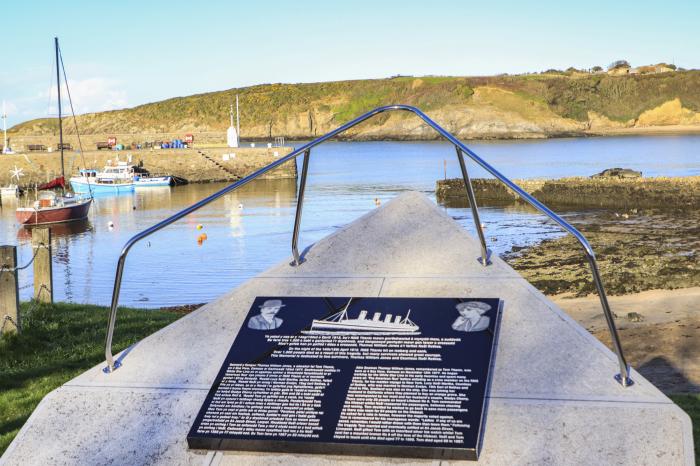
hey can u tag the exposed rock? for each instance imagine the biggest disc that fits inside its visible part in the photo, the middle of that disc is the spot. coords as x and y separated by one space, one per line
668 113
618 173
596 121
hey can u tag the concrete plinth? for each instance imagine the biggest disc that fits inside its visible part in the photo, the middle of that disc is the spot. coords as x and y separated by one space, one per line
553 397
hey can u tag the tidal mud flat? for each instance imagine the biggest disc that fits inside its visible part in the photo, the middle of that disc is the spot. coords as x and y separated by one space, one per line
637 250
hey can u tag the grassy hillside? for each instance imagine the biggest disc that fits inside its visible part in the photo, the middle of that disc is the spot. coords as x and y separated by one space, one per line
539 103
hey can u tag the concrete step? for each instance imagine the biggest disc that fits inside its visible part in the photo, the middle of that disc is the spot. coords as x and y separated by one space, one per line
553 399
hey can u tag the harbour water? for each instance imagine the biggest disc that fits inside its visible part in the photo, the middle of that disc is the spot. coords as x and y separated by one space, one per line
250 230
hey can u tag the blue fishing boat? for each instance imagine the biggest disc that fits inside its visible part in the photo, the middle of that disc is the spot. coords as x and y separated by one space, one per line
112 180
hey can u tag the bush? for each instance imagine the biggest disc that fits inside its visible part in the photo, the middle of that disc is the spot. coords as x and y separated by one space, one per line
618 64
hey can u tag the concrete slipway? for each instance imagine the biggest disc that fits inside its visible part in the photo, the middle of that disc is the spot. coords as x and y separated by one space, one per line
553 397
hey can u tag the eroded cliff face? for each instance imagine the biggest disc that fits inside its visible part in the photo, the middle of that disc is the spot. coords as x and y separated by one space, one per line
668 113
493 114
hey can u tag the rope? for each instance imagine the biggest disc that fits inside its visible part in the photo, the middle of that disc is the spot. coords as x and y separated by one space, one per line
75 120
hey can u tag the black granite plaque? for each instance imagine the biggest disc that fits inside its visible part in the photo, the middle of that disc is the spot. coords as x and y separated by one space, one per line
366 376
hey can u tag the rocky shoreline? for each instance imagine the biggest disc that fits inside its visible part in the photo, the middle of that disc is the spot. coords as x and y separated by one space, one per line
636 251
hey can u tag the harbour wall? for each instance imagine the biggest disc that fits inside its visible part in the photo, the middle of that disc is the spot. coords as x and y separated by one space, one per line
195 165
629 193
20 143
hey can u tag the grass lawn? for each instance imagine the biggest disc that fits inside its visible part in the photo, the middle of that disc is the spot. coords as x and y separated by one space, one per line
57 343
691 405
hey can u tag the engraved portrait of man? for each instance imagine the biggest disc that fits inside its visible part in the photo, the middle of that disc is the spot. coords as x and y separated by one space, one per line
471 318
267 319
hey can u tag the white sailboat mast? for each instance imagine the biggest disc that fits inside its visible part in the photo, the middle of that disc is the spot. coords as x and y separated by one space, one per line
238 121
231 133
4 128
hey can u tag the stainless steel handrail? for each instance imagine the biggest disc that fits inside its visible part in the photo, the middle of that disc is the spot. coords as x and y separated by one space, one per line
623 377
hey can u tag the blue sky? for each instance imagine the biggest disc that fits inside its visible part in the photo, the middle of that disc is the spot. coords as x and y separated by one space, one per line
125 53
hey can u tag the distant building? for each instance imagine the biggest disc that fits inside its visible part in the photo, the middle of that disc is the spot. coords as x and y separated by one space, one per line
620 70
653 69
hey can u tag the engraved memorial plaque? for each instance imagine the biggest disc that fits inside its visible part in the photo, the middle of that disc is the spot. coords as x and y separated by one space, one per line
367 376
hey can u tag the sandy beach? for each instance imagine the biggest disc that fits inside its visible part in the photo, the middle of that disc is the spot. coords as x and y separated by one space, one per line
660 332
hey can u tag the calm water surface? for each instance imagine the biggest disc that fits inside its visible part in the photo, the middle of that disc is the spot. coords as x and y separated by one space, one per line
250 230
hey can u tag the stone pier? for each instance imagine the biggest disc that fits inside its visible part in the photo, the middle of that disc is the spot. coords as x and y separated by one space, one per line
197 165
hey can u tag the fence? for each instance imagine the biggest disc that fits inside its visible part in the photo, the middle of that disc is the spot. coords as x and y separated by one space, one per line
9 279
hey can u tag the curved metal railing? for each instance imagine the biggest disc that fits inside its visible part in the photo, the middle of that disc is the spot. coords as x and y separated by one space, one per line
623 377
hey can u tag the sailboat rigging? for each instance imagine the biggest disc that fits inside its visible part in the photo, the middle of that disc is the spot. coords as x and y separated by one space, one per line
50 207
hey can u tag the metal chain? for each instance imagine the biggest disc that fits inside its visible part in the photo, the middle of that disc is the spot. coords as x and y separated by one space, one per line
5 319
26 313
4 268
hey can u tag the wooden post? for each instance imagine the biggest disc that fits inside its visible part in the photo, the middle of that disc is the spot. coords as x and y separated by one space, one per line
43 275
9 290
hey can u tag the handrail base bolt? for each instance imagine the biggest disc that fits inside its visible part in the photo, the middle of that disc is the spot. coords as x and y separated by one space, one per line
109 370
624 381
480 259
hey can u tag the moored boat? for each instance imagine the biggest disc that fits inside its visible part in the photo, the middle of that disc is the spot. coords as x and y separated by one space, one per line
112 179
11 190
51 208
141 181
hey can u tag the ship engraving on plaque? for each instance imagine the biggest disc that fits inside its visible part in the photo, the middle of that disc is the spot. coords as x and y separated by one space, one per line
377 324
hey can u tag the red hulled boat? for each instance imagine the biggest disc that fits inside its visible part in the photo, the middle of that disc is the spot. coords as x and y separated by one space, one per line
51 208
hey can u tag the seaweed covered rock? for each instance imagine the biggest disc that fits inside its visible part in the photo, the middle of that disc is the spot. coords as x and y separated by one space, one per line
618 173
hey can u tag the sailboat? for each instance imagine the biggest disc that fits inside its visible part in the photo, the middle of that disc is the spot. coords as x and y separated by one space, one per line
51 207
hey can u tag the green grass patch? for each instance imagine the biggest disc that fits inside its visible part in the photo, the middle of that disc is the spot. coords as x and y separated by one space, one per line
691 405
57 343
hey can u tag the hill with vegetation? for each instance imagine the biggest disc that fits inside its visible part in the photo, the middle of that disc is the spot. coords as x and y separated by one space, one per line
536 105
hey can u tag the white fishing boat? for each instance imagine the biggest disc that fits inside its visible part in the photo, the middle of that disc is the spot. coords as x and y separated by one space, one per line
341 322
146 181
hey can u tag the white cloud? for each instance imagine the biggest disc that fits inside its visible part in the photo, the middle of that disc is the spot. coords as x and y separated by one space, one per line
89 95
